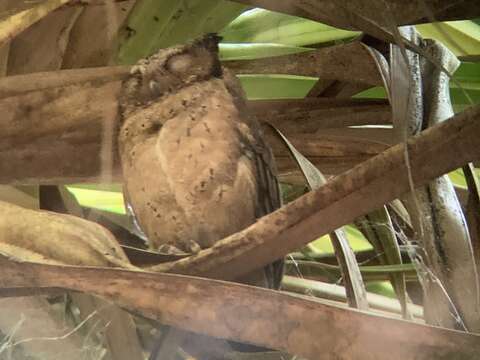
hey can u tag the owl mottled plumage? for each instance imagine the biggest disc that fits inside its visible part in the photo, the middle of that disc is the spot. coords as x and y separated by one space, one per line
195 165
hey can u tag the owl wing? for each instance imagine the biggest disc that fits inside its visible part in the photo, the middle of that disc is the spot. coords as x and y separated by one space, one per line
269 200
268 189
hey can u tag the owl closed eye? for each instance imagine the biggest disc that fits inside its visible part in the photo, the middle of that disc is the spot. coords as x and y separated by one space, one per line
172 69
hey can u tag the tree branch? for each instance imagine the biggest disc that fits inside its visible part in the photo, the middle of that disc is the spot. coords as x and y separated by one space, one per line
373 17
253 315
352 62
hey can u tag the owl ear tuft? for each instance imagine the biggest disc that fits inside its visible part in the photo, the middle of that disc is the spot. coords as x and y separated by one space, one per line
209 41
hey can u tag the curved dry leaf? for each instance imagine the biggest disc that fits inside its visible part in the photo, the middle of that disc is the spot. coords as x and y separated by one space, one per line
41 47
120 334
42 236
346 89
356 293
15 24
378 229
473 210
93 38
421 92
382 67
5 6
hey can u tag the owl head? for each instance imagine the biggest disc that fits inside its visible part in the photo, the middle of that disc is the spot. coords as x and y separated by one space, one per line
173 68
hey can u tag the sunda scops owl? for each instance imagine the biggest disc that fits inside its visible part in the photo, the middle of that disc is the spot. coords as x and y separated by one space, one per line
196 168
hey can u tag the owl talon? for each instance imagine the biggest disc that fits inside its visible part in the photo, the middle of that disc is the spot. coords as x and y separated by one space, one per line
193 247
169 250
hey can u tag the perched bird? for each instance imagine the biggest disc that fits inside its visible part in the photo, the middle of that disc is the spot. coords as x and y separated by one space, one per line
196 167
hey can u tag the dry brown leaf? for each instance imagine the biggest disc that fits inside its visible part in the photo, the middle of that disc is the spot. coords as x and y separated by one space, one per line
25 196
34 330
352 279
420 99
41 46
78 104
5 45
120 333
350 62
251 315
93 37
48 237
311 115
56 80
15 24
372 16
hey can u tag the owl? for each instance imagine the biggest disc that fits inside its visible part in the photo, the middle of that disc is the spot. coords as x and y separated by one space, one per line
195 165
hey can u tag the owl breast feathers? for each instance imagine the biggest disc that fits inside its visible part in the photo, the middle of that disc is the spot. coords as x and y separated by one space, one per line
196 168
